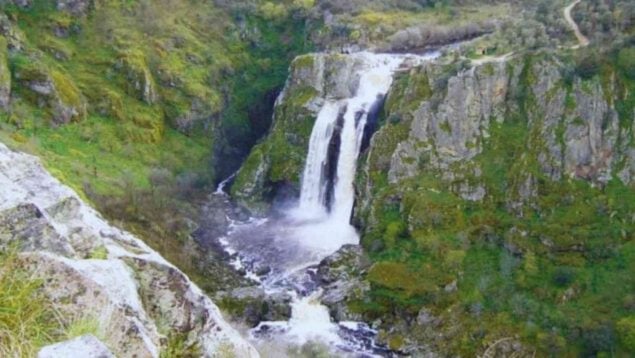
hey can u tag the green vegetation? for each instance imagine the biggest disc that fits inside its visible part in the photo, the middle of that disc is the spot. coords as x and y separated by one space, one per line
178 347
554 269
28 320
82 326
281 156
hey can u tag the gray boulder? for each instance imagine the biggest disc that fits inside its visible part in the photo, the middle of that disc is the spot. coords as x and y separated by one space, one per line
87 346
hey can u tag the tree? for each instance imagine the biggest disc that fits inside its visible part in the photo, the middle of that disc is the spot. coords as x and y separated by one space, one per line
271 11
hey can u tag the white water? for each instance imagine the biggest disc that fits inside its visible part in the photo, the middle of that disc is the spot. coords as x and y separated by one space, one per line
313 184
220 190
311 232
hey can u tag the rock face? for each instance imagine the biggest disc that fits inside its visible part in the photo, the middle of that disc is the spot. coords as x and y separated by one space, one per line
439 120
53 90
578 126
140 82
75 7
95 270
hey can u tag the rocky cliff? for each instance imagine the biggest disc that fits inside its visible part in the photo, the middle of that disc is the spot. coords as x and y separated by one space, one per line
92 269
525 164
440 120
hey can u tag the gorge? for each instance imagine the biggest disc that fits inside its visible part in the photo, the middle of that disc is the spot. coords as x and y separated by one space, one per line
317 178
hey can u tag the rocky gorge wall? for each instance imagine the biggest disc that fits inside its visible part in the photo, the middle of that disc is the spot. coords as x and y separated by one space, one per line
487 185
91 269
440 119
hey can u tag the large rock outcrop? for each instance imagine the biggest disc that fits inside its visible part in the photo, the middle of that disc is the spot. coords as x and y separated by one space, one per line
440 119
93 269
274 166
577 124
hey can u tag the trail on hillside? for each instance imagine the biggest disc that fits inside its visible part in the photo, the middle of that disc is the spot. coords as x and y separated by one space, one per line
583 40
487 59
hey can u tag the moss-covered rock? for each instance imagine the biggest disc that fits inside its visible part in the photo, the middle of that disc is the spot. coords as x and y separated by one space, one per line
139 80
49 87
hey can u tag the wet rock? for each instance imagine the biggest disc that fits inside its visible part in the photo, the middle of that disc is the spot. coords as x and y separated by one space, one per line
262 270
348 262
340 277
87 346
252 305
313 79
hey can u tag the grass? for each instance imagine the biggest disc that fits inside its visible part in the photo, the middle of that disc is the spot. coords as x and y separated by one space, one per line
28 319
99 152
81 326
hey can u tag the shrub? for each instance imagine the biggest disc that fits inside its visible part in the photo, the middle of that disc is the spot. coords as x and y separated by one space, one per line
626 62
178 346
598 338
626 332
588 65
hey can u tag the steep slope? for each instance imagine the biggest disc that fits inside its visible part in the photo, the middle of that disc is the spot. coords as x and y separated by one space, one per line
507 190
142 106
92 269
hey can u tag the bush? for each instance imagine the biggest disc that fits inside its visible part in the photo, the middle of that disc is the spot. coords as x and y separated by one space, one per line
626 332
598 339
563 276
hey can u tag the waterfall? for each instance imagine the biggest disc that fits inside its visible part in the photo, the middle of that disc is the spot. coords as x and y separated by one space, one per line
314 181
334 195
290 246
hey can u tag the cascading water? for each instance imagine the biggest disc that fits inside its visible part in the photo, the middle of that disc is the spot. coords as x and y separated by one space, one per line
320 224
375 78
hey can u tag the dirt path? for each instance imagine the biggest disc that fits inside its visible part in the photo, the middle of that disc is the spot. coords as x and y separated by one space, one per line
487 59
583 40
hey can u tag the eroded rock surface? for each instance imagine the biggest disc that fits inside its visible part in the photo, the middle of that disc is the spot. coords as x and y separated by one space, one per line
87 346
93 269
